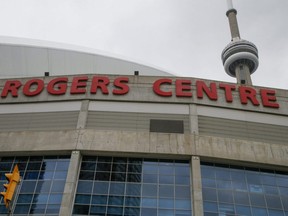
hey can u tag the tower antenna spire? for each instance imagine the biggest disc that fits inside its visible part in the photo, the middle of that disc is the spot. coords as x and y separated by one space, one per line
229 4
240 57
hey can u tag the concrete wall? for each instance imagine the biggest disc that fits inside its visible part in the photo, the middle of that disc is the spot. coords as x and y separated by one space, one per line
120 142
143 144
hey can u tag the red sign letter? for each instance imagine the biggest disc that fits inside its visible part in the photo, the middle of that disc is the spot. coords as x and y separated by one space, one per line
228 91
39 87
248 93
99 82
11 86
183 88
268 97
158 91
77 85
120 83
60 83
210 92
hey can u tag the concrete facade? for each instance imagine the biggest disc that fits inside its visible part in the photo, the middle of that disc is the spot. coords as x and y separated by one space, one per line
141 98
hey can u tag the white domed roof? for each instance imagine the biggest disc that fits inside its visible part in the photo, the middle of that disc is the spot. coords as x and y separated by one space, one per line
26 57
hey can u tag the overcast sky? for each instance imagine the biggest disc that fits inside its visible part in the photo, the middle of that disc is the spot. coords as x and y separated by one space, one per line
185 37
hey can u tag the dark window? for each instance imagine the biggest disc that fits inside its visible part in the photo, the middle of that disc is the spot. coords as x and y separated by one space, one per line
166 126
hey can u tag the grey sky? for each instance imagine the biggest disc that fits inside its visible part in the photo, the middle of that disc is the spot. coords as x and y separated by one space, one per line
185 37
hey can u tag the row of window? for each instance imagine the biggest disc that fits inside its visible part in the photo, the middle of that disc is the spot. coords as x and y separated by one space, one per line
129 186
236 190
42 184
136 186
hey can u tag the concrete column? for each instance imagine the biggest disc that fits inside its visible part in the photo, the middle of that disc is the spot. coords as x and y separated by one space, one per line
82 118
70 185
243 74
197 200
193 119
231 14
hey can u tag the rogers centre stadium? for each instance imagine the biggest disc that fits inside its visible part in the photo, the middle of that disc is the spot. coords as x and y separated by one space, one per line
99 135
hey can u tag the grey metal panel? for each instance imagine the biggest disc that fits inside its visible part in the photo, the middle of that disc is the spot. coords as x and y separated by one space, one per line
21 60
36 61
38 121
129 121
67 62
12 61
243 130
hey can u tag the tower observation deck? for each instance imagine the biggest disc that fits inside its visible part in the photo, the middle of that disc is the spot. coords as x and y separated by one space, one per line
240 57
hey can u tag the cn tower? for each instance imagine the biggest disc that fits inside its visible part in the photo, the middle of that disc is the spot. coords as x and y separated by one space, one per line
240 57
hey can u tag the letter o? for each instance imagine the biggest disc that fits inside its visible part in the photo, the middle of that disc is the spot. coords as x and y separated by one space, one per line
39 87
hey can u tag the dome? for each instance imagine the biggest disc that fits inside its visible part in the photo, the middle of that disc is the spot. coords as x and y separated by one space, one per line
27 58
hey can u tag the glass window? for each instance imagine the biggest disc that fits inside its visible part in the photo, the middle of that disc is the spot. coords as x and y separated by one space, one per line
82 199
133 187
84 187
119 167
149 190
88 166
148 202
100 187
39 193
117 188
25 198
40 198
28 187
99 199
132 201
234 190
131 211
166 179
166 191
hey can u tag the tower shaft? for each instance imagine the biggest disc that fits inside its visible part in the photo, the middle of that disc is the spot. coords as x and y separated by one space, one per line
240 57
231 14
243 74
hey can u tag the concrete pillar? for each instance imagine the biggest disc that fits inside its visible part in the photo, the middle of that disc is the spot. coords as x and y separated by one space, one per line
70 185
193 119
243 74
197 200
82 118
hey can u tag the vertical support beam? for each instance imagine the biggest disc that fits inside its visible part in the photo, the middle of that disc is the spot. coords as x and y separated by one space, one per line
82 118
193 119
243 74
70 185
197 200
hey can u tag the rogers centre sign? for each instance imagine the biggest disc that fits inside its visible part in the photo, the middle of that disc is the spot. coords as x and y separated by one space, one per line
165 87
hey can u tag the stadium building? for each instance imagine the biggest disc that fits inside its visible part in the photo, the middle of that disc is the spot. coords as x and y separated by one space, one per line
98 135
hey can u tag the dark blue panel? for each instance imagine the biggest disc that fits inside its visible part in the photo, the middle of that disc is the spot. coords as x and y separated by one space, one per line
149 190
132 201
82 199
84 187
99 199
101 187
133 189
81 209
117 188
